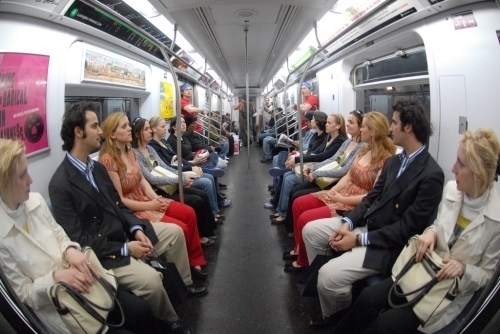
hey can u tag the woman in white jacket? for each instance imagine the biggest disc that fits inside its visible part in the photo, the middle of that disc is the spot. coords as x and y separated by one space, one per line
465 234
35 252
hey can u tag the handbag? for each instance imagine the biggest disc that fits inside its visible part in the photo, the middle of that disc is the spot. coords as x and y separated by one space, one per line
296 169
172 280
163 172
325 181
416 281
87 312
308 282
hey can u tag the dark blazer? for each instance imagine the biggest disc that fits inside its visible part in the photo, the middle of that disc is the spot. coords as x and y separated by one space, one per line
396 209
98 219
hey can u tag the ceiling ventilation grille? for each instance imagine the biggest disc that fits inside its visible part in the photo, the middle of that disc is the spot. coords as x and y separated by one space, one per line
206 21
287 16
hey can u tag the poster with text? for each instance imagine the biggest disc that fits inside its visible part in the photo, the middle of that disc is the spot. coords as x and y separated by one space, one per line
23 92
166 99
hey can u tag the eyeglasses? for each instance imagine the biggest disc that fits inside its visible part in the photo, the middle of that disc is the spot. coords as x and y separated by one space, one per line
136 120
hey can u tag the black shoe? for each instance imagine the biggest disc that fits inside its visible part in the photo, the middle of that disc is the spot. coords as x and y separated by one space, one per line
270 186
265 159
321 321
199 273
222 195
288 256
176 328
196 292
289 268
272 191
222 186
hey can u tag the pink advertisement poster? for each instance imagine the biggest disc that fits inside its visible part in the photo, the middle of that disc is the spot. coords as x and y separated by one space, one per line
23 92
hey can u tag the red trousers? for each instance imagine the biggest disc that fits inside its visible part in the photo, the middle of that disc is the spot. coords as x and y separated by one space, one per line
184 216
306 209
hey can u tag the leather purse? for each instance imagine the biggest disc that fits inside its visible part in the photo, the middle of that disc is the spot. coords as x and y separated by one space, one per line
87 312
416 281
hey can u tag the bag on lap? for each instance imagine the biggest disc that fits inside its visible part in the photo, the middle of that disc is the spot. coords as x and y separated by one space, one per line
87 312
416 281
324 181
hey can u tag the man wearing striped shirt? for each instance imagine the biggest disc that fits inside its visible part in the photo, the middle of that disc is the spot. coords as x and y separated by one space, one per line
402 203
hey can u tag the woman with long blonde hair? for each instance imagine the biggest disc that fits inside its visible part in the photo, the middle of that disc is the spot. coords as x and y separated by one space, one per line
350 189
136 192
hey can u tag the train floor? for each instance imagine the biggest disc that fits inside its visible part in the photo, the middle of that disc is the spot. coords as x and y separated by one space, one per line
249 292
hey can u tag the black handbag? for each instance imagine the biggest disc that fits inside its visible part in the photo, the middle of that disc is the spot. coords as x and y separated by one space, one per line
172 280
308 282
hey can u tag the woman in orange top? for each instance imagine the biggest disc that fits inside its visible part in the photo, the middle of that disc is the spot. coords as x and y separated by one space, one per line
136 192
350 189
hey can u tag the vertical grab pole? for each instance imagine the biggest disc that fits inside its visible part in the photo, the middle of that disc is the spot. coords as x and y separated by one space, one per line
299 118
248 98
178 125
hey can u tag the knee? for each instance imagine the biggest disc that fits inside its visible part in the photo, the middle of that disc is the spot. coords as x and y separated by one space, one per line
308 231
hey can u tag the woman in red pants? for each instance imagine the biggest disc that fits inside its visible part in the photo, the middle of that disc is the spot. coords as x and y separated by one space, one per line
135 191
350 189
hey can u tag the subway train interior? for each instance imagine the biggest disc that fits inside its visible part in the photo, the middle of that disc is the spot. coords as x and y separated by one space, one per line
240 57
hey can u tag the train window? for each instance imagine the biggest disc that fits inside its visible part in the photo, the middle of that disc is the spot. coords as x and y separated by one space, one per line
406 64
107 106
382 99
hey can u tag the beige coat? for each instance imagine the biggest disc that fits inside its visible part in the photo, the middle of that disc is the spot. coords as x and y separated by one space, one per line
29 260
478 247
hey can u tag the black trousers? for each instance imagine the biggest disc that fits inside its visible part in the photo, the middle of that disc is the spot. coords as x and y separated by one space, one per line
198 200
372 313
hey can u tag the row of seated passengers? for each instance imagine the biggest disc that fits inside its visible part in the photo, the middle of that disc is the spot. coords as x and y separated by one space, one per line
111 207
378 203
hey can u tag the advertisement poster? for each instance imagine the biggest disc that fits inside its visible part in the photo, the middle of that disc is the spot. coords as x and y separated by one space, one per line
23 92
166 99
102 68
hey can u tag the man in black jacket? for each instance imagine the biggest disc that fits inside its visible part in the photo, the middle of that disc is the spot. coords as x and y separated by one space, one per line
86 204
400 205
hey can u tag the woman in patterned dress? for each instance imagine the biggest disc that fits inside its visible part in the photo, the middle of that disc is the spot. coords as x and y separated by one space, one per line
135 191
350 189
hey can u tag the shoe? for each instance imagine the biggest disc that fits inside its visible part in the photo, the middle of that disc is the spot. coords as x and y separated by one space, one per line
288 256
222 186
273 216
209 242
278 171
199 273
213 237
274 221
290 268
220 216
227 203
176 328
215 172
196 292
272 192
270 186
222 195
265 159
291 235
268 205
321 321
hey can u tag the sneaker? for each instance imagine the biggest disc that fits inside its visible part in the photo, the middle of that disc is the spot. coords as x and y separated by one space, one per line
265 159
268 205
278 171
227 203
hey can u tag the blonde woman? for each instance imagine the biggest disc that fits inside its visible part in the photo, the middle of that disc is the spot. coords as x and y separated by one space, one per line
136 193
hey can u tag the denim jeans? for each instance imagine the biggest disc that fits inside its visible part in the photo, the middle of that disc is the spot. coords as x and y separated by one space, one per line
269 143
290 180
207 184
211 162
224 149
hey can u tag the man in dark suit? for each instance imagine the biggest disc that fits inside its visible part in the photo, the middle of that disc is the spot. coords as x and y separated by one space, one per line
86 204
400 205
